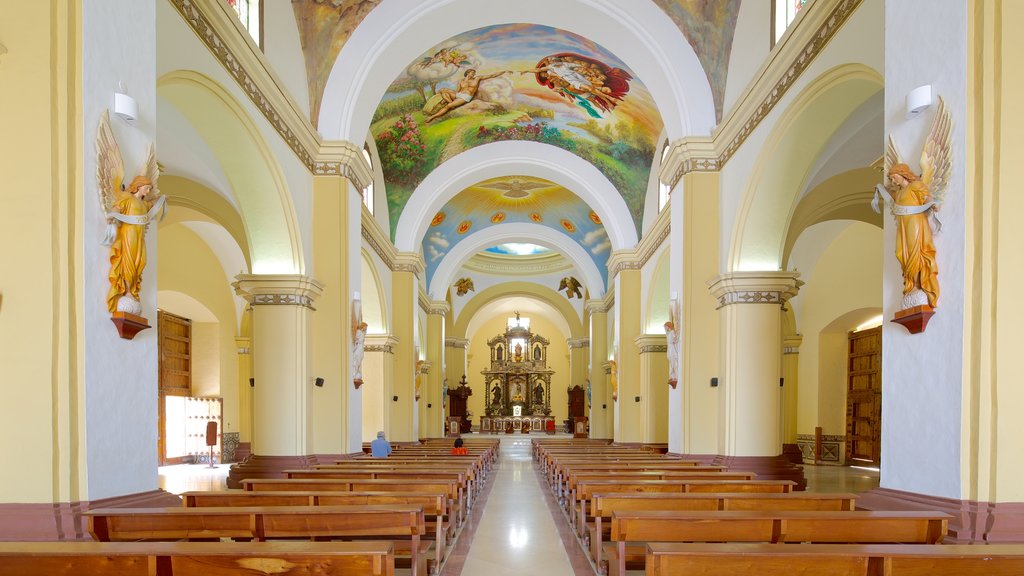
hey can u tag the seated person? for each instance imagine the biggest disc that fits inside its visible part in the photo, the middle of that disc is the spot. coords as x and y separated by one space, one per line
459 449
526 427
380 448
508 427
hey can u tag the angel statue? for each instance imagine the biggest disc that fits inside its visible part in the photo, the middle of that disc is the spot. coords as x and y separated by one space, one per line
571 286
915 199
128 212
464 286
672 341
358 342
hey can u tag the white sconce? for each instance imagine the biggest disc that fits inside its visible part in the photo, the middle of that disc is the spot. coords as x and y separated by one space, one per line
918 100
125 106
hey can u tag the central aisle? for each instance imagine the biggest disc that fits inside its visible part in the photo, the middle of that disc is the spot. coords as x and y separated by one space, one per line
516 533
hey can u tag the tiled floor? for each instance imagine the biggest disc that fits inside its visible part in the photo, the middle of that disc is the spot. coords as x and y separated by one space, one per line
517 526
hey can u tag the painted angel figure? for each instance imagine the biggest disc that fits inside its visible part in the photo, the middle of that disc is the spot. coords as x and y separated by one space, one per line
915 199
571 286
128 210
589 83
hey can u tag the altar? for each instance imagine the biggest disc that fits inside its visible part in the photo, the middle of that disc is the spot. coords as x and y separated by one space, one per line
496 424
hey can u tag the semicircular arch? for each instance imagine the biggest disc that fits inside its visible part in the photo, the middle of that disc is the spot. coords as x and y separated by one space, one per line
257 181
519 288
781 170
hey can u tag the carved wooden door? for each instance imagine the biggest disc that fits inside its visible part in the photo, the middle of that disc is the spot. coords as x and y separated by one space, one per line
174 341
577 407
864 397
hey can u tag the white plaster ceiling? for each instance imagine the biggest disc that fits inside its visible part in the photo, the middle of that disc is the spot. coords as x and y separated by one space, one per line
182 152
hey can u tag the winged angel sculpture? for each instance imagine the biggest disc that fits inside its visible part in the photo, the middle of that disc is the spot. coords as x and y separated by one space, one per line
128 211
915 200
571 286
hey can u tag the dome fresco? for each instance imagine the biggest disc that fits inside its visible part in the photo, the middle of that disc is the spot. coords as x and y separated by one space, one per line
518 199
521 82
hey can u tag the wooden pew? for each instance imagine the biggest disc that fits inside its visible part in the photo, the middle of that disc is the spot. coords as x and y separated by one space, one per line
665 559
449 487
435 508
460 476
575 478
262 522
603 505
585 490
645 526
564 468
194 558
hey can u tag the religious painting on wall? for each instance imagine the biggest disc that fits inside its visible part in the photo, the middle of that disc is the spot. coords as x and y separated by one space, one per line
517 82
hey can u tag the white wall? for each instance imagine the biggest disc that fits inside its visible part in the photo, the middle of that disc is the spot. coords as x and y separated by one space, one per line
283 49
120 375
926 43
750 45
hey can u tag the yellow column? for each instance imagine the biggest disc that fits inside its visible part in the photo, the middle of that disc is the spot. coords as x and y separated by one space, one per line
601 410
378 377
400 397
579 359
628 414
699 333
282 307
790 388
432 414
653 387
244 346
749 310
455 359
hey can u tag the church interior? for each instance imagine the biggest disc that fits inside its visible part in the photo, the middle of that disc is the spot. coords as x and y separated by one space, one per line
760 237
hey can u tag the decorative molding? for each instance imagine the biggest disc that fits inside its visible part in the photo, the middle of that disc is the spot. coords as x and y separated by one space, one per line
607 367
754 287
637 258
377 239
230 44
278 289
462 343
518 265
574 343
380 343
600 305
408 262
790 349
244 345
803 42
648 343
245 350
438 307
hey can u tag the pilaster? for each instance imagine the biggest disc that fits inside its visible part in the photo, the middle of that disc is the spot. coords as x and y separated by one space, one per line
243 346
402 409
378 378
654 387
628 414
600 404
790 386
432 412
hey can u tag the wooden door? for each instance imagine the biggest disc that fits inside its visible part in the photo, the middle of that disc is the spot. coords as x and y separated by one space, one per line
864 397
577 407
174 337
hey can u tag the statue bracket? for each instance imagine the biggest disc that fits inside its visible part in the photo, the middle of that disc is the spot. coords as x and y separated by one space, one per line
915 319
128 325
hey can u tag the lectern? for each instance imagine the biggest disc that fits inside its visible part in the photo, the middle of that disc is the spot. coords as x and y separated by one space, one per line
579 427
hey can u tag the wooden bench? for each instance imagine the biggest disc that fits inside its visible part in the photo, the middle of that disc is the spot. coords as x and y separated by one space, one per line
194 558
562 469
645 526
575 478
603 505
586 489
460 476
834 559
435 510
262 522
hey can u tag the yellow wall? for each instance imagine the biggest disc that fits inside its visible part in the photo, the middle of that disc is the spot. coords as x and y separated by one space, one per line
847 278
187 265
480 354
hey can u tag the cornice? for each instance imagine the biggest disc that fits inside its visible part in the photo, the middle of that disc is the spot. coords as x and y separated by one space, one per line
462 343
754 287
438 307
816 25
600 305
380 343
377 239
278 289
791 344
408 262
574 343
517 265
218 28
637 258
651 343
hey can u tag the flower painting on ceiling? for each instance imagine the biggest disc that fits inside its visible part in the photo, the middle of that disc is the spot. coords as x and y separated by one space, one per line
516 82
517 199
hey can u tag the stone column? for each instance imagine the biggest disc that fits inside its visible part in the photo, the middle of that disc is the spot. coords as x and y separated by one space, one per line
654 387
403 425
751 330
601 410
579 351
432 414
282 427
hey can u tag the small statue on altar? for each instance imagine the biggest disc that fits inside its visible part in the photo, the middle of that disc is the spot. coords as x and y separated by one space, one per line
519 352
538 393
496 395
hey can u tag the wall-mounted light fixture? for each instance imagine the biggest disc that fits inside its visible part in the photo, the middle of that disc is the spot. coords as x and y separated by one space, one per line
124 105
918 100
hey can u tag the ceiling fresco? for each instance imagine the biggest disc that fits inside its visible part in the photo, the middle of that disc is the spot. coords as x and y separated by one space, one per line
709 26
516 82
515 199
324 27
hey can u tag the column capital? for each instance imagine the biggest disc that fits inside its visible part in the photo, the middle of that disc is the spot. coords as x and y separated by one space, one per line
343 158
574 343
457 343
278 289
622 260
408 262
791 344
244 345
651 343
768 287
438 307
599 305
688 155
380 343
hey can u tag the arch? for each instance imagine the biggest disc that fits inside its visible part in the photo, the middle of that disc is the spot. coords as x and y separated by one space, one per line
200 203
252 169
520 158
657 312
641 35
375 313
519 232
783 167
527 289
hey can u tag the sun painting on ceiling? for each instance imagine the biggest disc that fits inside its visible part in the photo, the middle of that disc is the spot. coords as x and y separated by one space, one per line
516 82
517 199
